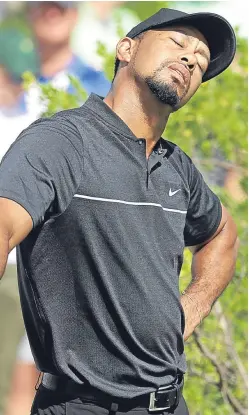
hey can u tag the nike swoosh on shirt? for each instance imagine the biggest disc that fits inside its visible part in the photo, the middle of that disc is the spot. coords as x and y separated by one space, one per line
173 193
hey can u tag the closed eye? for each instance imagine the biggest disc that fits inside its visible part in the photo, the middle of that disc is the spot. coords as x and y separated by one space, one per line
177 43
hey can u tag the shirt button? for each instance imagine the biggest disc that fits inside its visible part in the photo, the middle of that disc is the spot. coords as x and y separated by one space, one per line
140 142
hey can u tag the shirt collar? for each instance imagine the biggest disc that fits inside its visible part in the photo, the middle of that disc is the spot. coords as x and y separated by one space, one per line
96 104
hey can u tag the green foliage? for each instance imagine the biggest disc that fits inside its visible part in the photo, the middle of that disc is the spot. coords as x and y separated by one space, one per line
17 21
54 99
109 59
144 9
213 122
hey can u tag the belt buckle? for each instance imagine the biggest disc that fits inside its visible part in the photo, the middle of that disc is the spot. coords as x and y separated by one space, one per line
152 406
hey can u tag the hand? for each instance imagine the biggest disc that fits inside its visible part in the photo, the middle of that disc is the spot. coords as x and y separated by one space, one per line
193 314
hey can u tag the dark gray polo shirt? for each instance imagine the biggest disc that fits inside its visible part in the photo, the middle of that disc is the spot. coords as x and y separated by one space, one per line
99 273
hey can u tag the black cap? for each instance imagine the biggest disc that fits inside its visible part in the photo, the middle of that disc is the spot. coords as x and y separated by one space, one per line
217 31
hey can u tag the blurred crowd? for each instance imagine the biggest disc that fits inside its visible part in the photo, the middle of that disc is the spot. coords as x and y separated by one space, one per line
50 39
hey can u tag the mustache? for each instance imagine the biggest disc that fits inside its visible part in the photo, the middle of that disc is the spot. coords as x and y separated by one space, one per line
165 64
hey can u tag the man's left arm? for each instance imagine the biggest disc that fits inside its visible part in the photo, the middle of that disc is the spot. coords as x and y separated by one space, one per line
213 267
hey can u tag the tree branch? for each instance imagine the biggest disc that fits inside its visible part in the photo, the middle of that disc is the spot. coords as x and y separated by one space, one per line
224 164
225 326
222 384
208 379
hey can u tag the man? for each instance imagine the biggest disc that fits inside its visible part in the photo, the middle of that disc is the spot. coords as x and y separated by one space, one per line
52 24
51 58
102 208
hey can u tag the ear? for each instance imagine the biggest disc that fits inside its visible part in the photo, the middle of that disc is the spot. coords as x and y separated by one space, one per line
124 49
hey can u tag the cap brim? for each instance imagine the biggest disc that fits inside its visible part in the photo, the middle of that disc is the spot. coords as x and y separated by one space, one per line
219 35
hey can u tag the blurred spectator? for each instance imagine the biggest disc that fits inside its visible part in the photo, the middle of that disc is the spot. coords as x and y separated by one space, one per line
17 52
100 21
11 109
24 379
52 24
2 10
9 90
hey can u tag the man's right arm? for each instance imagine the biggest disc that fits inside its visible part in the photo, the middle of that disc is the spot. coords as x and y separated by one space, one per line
39 175
15 225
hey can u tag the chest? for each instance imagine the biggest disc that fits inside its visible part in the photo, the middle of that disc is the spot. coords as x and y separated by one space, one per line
121 192
120 174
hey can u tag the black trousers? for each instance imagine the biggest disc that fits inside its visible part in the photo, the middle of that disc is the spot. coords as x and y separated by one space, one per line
48 402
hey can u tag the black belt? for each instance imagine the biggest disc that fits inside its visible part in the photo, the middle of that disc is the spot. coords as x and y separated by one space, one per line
162 399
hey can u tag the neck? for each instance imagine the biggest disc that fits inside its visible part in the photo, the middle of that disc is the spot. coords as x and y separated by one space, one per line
54 59
142 112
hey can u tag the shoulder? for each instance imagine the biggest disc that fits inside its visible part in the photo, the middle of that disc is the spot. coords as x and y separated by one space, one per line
177 153
56 132
61 120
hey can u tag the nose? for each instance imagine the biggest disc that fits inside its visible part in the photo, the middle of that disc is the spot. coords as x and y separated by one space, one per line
190 61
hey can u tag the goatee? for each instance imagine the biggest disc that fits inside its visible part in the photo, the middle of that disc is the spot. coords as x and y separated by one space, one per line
164 92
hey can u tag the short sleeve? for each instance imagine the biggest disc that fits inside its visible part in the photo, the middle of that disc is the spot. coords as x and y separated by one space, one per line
43 168
204 210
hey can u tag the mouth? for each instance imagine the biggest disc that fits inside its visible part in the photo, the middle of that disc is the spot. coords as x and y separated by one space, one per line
178 76
181 73
52 13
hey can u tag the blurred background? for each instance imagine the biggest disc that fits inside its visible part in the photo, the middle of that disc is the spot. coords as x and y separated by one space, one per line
52 55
